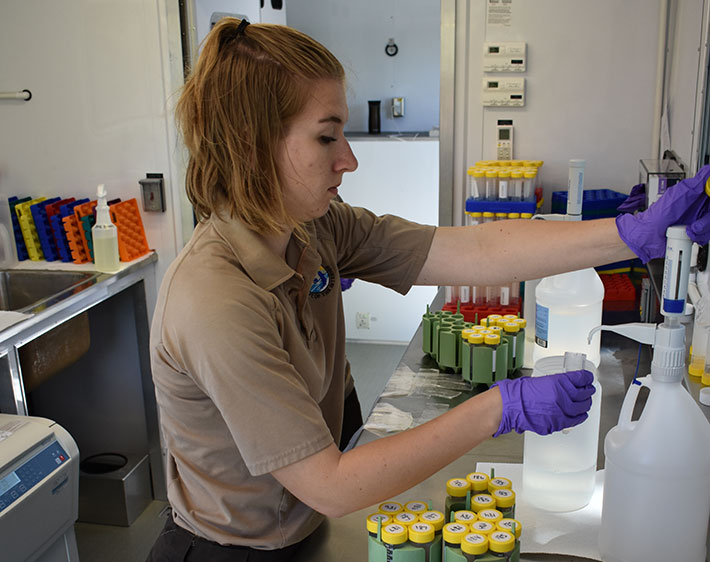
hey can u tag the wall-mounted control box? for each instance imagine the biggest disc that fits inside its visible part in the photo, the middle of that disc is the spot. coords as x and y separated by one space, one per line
504 57
503 92
153 193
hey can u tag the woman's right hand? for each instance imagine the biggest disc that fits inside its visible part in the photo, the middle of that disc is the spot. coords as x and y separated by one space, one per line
545 404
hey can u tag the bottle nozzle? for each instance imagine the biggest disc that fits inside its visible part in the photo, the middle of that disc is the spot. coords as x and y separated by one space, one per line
101 191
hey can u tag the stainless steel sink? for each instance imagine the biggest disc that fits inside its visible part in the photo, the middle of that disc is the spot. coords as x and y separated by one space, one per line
22 289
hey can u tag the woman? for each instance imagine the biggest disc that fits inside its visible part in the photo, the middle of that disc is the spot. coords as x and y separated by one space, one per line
248 339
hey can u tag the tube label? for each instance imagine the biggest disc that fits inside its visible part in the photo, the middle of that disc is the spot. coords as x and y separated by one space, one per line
542 325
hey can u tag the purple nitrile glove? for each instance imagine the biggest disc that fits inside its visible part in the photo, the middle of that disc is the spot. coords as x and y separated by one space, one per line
345 284
545 404
636 200
684 203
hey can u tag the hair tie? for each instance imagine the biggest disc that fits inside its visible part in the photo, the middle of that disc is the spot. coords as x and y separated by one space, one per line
242 26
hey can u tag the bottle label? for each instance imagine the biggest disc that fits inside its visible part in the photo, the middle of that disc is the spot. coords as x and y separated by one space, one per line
542 325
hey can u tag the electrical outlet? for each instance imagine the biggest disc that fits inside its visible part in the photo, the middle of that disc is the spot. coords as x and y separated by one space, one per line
362 320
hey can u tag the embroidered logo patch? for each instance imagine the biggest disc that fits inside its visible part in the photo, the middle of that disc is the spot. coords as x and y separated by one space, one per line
323 282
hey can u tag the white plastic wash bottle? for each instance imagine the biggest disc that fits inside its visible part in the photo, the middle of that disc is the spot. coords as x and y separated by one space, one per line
104 236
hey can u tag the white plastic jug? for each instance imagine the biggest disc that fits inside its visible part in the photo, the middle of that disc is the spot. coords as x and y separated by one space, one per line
559 470
568 307
657 479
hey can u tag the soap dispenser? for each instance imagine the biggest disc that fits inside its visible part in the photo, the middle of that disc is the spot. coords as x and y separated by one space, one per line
104 236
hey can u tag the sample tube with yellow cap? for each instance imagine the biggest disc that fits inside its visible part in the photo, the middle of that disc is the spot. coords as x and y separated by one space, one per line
491 184
490 515
483 527
529 185
479 502
422 535
476 183
501 542
394 536
516 182
510 525
499 482
474 546
416 507
465 516
505 501
390 508
405 518
514 336
435 518
503 184
453 533
375 520
479 482
457 490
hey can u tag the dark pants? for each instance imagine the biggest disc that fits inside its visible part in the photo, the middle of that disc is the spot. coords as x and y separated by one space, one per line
176 544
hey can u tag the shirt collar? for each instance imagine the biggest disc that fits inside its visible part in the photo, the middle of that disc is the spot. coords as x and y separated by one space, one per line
259 261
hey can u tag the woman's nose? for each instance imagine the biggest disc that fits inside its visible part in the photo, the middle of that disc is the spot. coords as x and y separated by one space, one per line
347 161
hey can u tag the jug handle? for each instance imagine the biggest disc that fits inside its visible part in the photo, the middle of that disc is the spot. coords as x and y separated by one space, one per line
627 408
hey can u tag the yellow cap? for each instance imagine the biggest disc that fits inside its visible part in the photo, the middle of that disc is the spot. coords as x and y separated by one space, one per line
457 487
405 518
483 527
513 216
474 543
464 516
516 174
416 507
421 533
504 497
538 163
528 163
475 338
479 481
707 187
488 214
507 524
529 174
395 534
434 518
501 216
493 317
496 329
453 532
510 317
490 173
512 327
390 508
498 483
504 173
501 541
705 380
696 368
374 518
492 339
482 501
477 214
526 215
490 515
467 332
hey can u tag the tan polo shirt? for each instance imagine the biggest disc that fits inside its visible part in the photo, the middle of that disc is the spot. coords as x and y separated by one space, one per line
248 360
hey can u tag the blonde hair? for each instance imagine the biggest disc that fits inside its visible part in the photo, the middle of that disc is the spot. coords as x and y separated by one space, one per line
247 85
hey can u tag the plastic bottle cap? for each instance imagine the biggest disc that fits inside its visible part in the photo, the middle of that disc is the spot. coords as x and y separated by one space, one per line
504 497
477 214
516 174
538 163
501 216
492 339
511 327
434 518
395 534
474 543
483 527
490 515
498 483
454 532
476 173
390 508
488 214
705 396
482 501
507 524
421 533
491 173
405 518
493 317
510 317
526 215
465 516
479 481
696 369
457 487
522 322
504 174
374 518
467 332
513 216
528 175
475 338
495 329
501 541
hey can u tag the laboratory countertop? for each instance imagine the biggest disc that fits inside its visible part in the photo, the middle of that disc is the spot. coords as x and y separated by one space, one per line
345 539
94 288
391 136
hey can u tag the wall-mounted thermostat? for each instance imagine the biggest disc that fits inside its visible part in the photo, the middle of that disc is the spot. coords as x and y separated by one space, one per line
504 57
503 92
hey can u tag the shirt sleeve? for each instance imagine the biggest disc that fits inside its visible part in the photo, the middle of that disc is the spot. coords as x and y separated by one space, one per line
387 250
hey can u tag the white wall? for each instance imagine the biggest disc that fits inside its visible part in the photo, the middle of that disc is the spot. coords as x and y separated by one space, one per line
99 73
357 33
399 177
590 79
